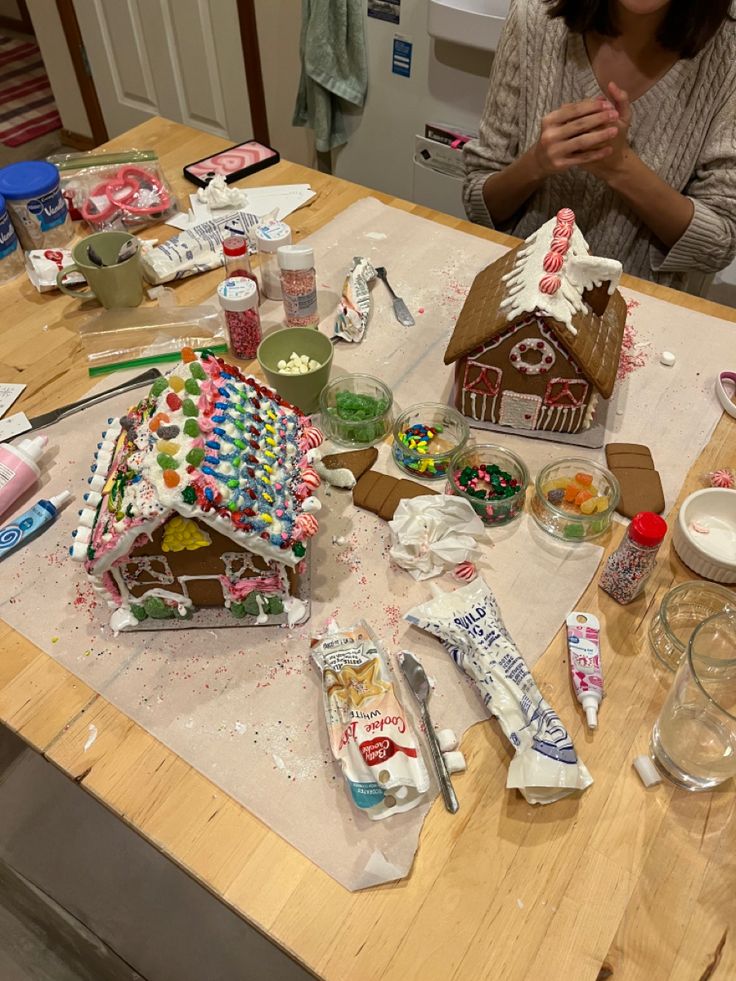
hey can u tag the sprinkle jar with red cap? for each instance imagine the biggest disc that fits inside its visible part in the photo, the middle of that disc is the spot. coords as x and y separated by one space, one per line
628 568
237 263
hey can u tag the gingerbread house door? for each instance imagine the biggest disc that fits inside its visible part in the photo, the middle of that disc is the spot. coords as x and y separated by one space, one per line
519 410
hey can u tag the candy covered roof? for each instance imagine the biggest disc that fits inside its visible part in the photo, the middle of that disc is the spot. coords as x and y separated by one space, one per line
551 274
211 444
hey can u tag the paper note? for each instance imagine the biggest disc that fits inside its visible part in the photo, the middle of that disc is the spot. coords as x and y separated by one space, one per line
9 392
13 426
279 200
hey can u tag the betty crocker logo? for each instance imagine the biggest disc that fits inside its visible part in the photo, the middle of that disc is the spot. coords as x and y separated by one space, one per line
375 751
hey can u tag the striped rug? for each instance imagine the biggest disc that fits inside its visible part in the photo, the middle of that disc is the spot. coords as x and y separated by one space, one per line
27 107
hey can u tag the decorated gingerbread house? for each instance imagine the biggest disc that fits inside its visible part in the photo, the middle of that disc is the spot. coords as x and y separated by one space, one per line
538 340
201 503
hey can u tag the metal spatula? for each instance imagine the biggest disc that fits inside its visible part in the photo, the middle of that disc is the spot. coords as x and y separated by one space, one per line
419 684
401 310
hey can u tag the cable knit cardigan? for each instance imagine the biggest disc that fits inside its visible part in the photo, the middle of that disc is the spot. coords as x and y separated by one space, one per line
683 127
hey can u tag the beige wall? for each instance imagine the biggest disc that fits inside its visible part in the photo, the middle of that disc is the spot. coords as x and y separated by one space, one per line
279 23
59 68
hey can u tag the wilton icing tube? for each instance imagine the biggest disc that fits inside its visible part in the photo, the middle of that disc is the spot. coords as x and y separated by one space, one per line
583 644
468 622
29 525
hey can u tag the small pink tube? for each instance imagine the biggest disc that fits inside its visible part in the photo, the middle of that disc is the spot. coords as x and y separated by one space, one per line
583 643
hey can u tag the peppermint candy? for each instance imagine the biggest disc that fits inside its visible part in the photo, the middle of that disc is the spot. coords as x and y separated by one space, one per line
464 572
723 478
549 284
310 477
305 526
553 262
566 216
311 438
562 231
559 245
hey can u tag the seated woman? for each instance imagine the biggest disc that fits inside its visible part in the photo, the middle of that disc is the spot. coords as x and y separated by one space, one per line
624 111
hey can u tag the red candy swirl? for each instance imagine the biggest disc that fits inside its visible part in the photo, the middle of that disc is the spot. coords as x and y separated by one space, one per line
550 284
559 245
553 262
305 526
310 477
566 216
562 230
311 438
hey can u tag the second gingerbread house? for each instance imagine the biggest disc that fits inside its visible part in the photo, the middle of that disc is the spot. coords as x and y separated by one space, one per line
539 337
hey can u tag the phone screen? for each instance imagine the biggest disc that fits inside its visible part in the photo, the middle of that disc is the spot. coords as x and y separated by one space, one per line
232 160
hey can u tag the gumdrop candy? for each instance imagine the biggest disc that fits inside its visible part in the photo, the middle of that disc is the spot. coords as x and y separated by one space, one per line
159 386
164 446
571 491
589 506
173 401
176 383
167 462
556 495
191 428
602 503
189 495
197 371
574 531
192 386
195 456
189 408
188 355
583 496
166 431
171 478
586 479
157 421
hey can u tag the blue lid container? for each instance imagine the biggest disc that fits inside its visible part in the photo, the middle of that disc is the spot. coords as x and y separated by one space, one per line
28 179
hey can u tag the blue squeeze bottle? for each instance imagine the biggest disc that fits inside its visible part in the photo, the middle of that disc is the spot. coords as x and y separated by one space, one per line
29 525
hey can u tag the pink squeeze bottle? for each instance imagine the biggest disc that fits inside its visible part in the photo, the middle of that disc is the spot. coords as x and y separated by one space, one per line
19 470
583 644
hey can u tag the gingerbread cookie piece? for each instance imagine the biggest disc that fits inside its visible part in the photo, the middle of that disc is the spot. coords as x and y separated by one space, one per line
380 494
641 486
402 490
356 461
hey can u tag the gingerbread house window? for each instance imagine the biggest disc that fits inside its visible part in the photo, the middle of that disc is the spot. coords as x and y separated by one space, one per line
147 570
238 565
566 392
482 378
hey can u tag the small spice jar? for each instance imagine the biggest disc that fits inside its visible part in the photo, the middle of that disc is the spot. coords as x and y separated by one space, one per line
298 285
235 250
271 236
239 299
628 568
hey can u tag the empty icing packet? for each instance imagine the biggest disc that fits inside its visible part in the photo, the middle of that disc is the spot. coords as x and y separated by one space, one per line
468 621
354 308
370 734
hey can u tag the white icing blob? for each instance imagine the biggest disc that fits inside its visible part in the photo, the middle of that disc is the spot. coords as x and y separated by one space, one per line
121 619
296 611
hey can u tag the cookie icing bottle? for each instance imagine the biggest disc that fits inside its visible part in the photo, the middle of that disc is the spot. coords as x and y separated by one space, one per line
19 470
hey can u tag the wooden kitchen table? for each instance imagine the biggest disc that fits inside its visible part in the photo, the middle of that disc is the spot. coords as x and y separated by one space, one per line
624 881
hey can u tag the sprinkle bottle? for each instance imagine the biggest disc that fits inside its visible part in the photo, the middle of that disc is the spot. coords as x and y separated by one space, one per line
239 300
235 250
298 285
271 236
628 568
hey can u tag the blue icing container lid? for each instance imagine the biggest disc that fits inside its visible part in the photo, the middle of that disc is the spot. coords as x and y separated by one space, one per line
28 179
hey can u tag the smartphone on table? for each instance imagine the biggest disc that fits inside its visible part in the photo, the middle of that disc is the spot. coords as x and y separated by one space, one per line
233 163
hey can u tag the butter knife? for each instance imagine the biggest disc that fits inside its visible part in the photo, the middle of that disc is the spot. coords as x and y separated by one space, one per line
49 418
401 311
418 681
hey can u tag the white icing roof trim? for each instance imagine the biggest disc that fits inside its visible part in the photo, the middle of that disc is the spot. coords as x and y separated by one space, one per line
580 271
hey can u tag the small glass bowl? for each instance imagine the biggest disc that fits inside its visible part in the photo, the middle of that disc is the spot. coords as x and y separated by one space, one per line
428 459
503 509
564 520
338 424
682 610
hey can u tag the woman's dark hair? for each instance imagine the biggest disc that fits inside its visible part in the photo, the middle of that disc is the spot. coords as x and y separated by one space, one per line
686 29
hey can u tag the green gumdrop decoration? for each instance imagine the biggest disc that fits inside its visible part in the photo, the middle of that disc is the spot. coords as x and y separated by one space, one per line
197 371
191 386
167 462
189 408
237 610
195 456
159 386
189 495
275 606
138 612
157 609
250 606
299 550
191 427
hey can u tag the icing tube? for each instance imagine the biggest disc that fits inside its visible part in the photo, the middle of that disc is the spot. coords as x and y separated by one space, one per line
354 308
583 644
370 734
468 621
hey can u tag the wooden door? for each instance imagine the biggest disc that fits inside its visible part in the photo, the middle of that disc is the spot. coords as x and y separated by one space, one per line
181 59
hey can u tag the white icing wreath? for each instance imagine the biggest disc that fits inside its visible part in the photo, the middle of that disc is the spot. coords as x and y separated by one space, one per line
519 357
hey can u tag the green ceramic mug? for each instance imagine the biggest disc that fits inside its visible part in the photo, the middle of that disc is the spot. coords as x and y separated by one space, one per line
114 285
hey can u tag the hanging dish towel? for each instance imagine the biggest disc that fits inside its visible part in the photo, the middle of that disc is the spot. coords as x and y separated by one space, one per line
332 49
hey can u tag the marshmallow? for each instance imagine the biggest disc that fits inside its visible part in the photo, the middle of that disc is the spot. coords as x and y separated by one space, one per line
667 358
447 740
455 762
298 364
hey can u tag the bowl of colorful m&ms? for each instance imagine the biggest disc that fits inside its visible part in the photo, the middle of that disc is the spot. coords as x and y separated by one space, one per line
356 410
574 499
492 479
426 438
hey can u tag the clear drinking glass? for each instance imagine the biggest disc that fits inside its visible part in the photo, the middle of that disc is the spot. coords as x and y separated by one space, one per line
680 612
694 739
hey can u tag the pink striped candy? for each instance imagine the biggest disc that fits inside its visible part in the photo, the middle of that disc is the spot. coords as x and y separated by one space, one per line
559 245
311 438
722 478
305 526
310 477
553 262
465 572
549 284
562 231
566 216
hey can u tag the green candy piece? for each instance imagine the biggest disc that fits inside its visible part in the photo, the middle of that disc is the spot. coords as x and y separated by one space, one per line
167 462
197 371
574 531
251 606
159 386
191 427
157 609
189 408
275 606
138 612
191 386
233 483
232 506
237 610
189 495
195 456
299 550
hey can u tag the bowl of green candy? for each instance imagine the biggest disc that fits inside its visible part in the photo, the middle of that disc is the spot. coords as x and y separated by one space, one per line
357 410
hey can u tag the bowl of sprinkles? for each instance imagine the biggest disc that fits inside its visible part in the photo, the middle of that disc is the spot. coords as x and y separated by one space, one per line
426 438
492 479
574 499
356 410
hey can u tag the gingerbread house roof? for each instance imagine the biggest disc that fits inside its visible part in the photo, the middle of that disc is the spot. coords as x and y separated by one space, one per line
551 274
205 443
